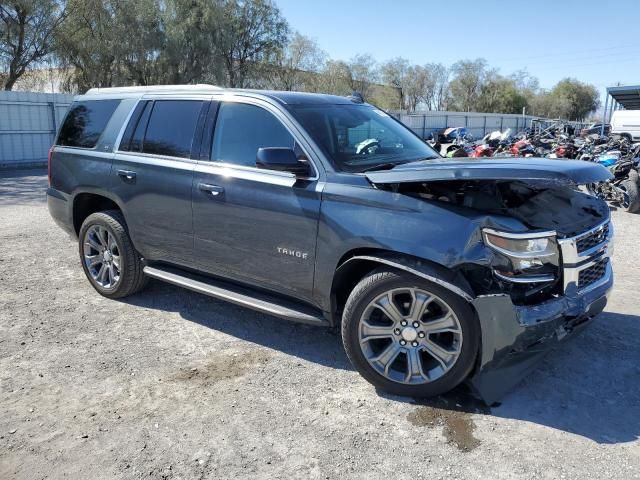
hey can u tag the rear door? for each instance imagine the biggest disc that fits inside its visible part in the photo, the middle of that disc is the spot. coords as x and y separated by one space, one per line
252 225
152 175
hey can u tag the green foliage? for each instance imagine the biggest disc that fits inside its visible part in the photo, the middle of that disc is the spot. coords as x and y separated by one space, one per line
27 30
246 43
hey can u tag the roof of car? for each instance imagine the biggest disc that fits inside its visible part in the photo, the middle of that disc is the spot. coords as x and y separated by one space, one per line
286 98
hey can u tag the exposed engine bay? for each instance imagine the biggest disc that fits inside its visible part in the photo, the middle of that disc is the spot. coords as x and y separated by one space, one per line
540 206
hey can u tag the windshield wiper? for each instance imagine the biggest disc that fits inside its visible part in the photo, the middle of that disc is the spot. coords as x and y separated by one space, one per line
381 166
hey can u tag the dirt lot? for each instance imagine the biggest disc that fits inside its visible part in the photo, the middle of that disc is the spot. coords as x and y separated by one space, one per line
171 384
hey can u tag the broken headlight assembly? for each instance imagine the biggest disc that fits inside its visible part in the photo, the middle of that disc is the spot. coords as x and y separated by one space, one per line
523 257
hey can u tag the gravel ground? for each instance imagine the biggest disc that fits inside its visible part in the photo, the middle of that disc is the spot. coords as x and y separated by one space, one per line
172 384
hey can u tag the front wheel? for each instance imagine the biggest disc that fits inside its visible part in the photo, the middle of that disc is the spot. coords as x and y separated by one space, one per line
409 336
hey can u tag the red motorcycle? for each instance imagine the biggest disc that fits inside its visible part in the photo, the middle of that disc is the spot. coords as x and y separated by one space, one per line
482 151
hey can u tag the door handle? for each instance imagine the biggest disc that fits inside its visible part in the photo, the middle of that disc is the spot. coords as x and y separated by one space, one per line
213 190
127 175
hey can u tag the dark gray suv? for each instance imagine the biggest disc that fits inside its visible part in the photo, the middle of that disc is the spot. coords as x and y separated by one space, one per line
326 210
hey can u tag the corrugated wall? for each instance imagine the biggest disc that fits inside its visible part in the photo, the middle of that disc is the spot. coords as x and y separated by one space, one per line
478 124
28 124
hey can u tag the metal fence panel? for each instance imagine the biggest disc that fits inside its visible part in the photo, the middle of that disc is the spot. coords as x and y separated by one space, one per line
479 124
28 125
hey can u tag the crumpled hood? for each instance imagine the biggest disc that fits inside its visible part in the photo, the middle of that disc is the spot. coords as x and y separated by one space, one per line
557 171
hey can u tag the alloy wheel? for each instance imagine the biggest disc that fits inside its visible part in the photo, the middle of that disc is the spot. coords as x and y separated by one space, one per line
102 256
410 336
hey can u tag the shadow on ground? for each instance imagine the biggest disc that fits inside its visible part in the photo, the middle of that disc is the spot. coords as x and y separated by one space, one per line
20 187
314 344
589 388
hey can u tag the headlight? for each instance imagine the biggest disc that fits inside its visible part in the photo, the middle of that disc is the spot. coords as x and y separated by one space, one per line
521 245
525 257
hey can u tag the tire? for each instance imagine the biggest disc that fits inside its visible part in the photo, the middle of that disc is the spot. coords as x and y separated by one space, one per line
369 354
116 271
631 188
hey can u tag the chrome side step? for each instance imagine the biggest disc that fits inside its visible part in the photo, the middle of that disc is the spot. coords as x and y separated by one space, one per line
240 296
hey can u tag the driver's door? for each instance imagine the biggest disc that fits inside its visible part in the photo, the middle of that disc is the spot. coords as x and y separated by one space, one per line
255 226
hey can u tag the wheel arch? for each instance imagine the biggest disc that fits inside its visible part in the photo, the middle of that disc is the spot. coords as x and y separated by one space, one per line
86 202
354 265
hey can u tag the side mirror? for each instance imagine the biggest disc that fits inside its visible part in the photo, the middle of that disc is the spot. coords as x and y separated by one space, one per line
282 160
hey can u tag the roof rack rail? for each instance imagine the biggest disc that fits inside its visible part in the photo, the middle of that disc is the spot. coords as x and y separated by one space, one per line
153 88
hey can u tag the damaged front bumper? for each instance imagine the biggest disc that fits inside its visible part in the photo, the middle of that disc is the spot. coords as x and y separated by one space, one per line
515 338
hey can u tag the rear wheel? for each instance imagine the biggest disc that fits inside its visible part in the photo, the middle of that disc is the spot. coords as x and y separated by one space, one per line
409 336
112 265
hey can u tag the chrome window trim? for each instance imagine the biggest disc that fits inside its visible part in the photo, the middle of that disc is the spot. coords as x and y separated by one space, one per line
152 159
284 119
90 152
285 179
144 98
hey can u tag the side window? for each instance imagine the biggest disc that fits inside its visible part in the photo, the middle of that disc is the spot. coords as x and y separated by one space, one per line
85 123
242 129
138 134
171 127
136 123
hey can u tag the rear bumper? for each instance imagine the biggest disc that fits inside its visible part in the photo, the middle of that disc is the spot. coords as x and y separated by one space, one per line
60 211
515 338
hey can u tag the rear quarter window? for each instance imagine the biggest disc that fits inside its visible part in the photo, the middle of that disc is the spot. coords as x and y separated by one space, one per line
85 122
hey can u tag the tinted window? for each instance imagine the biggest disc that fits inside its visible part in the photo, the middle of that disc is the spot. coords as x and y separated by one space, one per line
85 123
171 127
242 129
131 126
141 126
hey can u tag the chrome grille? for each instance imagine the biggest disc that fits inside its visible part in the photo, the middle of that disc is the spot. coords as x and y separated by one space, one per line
593 238
592 274
585 258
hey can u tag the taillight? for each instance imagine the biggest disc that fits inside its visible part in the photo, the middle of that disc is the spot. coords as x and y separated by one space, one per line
49 164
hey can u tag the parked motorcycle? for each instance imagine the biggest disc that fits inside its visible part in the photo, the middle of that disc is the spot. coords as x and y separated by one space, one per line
623 190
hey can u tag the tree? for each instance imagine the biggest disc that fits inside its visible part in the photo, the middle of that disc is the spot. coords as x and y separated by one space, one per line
26 34
501 95
394 73
140 55
362 74
254 30
580 98
192 34
295 66
469 78
334 78
437 92
87 45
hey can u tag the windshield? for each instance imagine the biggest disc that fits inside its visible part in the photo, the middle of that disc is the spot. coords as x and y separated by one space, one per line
360 137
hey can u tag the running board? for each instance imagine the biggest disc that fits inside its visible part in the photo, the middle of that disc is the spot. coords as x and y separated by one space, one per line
240 296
